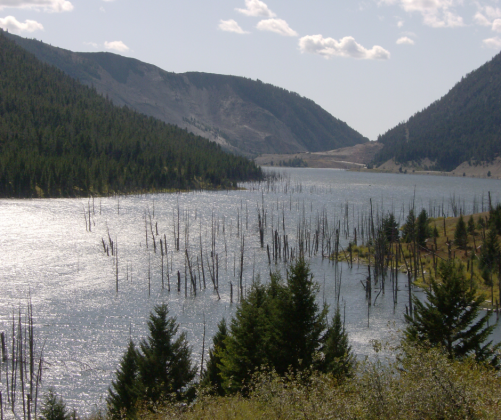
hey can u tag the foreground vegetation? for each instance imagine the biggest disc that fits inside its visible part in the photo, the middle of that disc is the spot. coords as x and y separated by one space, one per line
59 138
420 385
280 358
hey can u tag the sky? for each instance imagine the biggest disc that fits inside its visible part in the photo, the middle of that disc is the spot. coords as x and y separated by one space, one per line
370 63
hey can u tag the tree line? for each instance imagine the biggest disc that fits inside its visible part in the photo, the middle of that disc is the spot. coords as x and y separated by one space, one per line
59 138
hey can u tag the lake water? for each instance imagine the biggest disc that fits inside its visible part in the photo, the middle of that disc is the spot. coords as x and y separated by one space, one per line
49 254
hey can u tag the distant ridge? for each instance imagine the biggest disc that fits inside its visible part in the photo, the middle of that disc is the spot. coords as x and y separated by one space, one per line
242 115
463 126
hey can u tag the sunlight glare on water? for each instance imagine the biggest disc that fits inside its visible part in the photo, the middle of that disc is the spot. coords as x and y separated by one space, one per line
49 255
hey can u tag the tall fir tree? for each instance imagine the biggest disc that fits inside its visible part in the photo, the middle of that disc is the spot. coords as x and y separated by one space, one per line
123 394
390 228
338 356
164 362
246 348
279 325
461 234
212 375
423 230
489 252
409 228
304 320
449 318
53 407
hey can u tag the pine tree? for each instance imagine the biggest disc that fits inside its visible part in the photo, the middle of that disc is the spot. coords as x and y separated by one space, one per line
471 225
246 348
409 228
495 219
53 407
489 252
461 234
423 230
303 321
390 228
212 375
278 325
123 393
164 363
448 317
338 357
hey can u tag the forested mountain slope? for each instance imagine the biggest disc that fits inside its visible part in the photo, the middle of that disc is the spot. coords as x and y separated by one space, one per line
61 138
464 125
243 115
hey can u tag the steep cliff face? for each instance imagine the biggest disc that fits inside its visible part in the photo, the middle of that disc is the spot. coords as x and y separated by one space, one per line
243 115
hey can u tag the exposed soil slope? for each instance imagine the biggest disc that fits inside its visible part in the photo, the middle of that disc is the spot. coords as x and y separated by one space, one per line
345 158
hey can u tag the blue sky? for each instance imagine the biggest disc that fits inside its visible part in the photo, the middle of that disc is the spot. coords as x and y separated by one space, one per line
371 63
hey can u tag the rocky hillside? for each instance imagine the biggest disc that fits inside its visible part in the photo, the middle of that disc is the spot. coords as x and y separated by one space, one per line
243 115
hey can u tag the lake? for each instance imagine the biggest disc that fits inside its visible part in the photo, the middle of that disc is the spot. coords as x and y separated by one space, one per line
51 254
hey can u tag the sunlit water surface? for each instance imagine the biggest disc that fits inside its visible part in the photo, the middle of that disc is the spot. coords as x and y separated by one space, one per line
49 255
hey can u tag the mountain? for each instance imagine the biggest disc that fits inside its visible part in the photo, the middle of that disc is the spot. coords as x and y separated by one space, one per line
243 115
463 126
59 138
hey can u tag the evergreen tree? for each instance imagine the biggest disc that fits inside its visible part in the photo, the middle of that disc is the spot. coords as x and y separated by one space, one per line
409 228
123 393
471 226
246 342
423 230
461 234
302 321
495 219
212 375
338 357
278 325
481 224
489 253
164 363
390 228
448 318
53 407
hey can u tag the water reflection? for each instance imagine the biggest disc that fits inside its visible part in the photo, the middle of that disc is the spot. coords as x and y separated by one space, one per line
52 251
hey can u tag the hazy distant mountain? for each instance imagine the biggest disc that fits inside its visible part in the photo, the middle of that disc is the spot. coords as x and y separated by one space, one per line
241 114
464 125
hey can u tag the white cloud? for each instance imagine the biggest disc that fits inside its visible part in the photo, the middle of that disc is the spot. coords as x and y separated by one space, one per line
46 5
256 8
231 26
492 43
279 26
116 45
400 23
346 47
92 44
102 9
405 40
481 19
496 25
488 16
436 13
13 25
